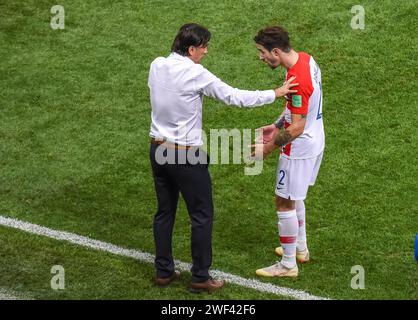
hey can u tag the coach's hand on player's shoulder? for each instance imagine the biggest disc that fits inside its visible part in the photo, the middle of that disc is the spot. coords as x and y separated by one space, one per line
286 88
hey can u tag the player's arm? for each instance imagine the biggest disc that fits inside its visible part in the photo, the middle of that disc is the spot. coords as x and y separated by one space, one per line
298 107
266 133
281 137
285 136
279 123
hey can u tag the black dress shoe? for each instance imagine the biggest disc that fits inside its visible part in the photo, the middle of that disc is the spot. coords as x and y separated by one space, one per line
162 282
209 285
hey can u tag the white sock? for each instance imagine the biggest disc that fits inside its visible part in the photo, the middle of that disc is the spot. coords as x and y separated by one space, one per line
288 231
300 211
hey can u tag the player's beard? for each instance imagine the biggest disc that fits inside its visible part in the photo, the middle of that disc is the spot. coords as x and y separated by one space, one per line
272 65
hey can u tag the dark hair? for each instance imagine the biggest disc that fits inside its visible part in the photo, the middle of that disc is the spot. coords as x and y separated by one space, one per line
190 34
274 37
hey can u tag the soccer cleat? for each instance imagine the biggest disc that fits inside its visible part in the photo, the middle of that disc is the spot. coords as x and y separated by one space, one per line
278 270
301 256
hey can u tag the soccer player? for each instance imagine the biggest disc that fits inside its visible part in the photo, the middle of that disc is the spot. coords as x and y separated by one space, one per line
299 133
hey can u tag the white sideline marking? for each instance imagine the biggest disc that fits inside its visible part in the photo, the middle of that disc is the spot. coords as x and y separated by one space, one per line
6 294
147 257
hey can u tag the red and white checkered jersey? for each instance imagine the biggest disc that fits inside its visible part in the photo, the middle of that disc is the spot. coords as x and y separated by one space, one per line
307 101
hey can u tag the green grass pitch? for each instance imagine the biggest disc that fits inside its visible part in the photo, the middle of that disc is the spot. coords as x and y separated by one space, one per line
74 123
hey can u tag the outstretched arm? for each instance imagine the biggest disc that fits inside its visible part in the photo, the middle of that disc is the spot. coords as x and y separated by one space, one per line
213 87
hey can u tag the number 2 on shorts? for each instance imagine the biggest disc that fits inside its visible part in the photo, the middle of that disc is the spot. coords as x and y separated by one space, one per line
282 175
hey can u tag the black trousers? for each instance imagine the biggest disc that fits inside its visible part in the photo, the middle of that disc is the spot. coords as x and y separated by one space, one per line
194 183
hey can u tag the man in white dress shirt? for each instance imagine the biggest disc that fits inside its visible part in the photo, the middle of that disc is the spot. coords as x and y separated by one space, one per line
177 86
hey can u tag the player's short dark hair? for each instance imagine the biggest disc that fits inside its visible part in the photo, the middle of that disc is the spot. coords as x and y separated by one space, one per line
190 34
274 37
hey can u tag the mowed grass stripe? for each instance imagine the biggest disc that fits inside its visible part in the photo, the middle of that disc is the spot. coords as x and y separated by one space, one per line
149 258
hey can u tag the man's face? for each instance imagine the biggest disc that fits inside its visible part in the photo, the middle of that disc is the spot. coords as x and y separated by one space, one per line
197 53
272 58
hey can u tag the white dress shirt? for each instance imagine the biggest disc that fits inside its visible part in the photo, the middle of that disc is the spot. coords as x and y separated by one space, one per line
177 86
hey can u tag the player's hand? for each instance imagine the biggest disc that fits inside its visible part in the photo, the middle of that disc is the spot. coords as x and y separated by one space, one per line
286 88
266 134
262 150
